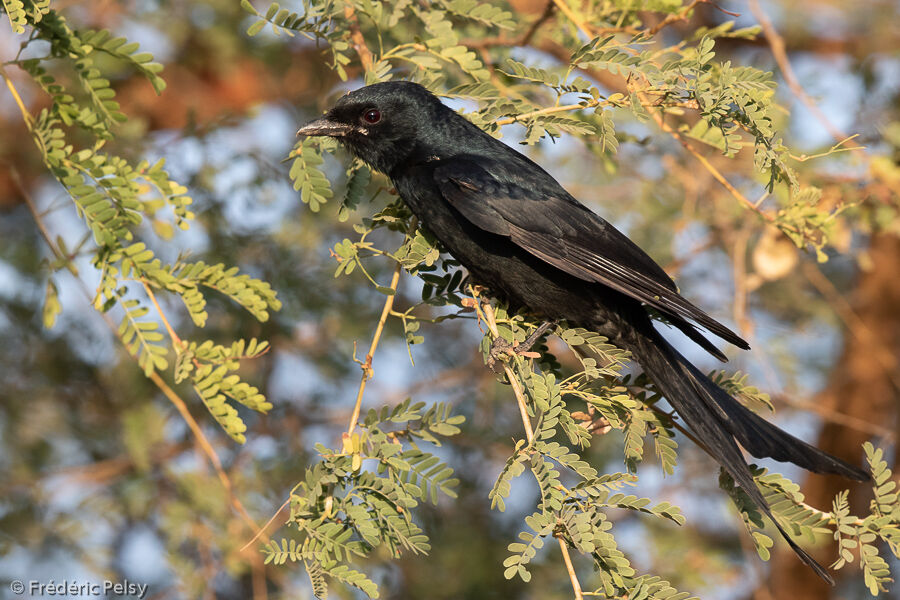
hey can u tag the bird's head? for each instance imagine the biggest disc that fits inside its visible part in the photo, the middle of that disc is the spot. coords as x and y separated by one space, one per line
383 124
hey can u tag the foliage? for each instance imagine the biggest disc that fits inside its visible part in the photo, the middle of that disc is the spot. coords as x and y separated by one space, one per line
364 499
343 510
734 106
114 197
855 535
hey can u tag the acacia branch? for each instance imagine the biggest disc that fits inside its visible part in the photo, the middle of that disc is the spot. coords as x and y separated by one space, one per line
26 115
657 117
356 36
490 318
576 587
779 51
548 12
176 341
167 391
367 370
581 25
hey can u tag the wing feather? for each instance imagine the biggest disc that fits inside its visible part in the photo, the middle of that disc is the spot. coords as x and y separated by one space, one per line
564 233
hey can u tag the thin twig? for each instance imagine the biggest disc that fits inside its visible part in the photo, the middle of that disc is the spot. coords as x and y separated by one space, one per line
680 428
207 448
176 341
673 17
576 587
491 320
717 175
586 105
103 472
359 42
266 526
26 115
546 111
520 400
192 423
491 42
526 38
776 44
367 370
739 269
838 418
858 328
17 181
684 15
581 25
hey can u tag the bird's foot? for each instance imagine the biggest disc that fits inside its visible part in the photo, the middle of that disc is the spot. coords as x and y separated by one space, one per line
532 339
500 348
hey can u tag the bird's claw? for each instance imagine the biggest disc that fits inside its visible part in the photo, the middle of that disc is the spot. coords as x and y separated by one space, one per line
502 349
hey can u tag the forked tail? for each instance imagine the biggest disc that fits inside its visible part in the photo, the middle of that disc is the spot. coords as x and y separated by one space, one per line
720 422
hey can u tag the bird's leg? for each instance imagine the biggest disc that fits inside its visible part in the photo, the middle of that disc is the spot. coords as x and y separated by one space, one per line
501 348
534 337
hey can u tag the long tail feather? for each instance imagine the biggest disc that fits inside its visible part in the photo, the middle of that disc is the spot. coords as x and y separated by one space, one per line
764 440
717 419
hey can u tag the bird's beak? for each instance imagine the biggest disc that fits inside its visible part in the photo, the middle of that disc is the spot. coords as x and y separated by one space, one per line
324 126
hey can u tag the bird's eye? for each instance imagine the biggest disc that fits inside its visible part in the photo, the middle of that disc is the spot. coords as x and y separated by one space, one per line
372 116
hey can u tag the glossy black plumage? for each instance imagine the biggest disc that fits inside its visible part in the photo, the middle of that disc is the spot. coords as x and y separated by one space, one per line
528 240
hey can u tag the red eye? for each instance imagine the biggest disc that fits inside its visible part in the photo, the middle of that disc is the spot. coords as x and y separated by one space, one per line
372 116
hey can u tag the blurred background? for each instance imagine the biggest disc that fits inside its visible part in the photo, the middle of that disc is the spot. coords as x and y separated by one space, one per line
102 479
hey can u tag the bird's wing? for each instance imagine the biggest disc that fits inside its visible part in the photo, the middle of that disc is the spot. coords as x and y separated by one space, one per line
554 227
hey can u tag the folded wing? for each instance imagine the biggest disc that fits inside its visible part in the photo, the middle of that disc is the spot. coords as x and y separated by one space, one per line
564 233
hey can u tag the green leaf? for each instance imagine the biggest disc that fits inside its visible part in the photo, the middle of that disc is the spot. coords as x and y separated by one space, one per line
15 11
255 28
308 178
52 306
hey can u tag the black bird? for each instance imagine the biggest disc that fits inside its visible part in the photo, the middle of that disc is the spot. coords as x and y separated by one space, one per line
529 241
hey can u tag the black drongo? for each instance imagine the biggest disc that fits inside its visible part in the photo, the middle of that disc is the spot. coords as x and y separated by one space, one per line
525 238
